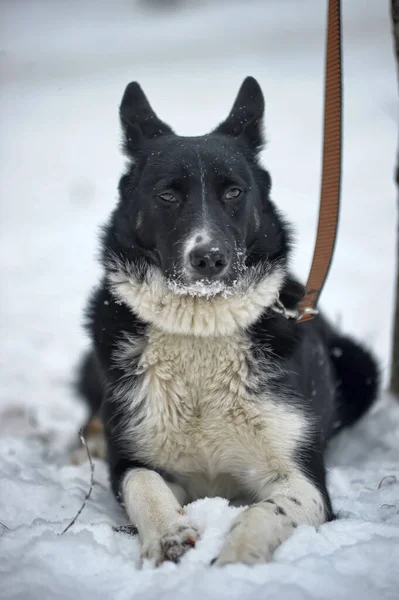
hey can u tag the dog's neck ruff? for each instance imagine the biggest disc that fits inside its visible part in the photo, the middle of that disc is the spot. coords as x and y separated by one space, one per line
154 301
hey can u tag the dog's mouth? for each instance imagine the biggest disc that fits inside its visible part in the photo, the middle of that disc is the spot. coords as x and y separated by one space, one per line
201 288
185 282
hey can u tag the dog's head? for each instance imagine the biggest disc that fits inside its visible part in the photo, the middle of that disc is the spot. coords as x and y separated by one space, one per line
195 228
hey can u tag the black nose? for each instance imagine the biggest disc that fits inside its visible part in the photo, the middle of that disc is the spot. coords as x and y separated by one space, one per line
208 260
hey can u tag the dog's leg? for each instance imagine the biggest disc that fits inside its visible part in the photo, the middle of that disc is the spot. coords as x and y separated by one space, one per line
152 505
256 532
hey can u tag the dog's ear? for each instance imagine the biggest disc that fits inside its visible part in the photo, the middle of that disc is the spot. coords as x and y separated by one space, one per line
245 120
139 121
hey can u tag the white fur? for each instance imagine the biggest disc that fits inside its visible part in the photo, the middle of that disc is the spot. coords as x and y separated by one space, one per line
152 506
193 408
256 532
201 422
202 425
229 310
128 393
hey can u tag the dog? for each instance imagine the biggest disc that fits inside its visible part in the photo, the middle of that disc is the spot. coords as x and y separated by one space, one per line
203 388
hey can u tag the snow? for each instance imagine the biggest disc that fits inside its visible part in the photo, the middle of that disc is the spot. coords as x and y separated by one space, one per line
355 556
64 68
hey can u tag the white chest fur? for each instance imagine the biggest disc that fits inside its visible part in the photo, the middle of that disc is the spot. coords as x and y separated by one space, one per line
201 419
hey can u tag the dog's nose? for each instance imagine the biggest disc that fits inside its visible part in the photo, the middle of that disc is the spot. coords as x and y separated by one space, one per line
208 260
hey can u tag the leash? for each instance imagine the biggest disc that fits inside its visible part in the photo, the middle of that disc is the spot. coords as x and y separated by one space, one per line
331 176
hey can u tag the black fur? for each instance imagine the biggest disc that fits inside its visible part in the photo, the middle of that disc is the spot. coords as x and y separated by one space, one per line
331 378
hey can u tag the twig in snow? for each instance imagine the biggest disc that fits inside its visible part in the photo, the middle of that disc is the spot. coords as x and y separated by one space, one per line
88 493
101 485
5 526
387 480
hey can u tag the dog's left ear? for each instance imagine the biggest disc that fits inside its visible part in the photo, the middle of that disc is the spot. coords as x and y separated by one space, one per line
139 120
245 120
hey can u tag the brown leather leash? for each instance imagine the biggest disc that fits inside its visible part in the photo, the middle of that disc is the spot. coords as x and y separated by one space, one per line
331 176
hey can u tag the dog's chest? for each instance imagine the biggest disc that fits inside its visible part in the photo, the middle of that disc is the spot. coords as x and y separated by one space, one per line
194 375
199 416
192 386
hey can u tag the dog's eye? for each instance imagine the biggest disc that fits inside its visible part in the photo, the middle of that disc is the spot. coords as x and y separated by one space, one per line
167 197
233 193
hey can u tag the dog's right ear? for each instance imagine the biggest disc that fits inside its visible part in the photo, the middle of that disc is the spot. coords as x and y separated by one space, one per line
139 121
245 120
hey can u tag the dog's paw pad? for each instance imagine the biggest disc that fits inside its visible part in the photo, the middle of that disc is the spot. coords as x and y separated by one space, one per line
172 545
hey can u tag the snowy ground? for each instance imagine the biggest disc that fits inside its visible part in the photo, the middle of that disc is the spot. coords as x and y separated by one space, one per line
64 67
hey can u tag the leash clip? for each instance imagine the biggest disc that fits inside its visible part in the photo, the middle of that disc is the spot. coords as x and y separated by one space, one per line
293 313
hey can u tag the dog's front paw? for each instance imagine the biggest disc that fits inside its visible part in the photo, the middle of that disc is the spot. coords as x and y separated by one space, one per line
254 536
242 550
172 545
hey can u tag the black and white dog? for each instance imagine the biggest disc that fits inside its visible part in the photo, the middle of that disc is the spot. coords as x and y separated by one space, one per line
204 389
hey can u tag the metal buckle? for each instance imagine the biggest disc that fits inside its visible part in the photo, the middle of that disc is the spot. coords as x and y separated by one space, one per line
292 313
307 311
